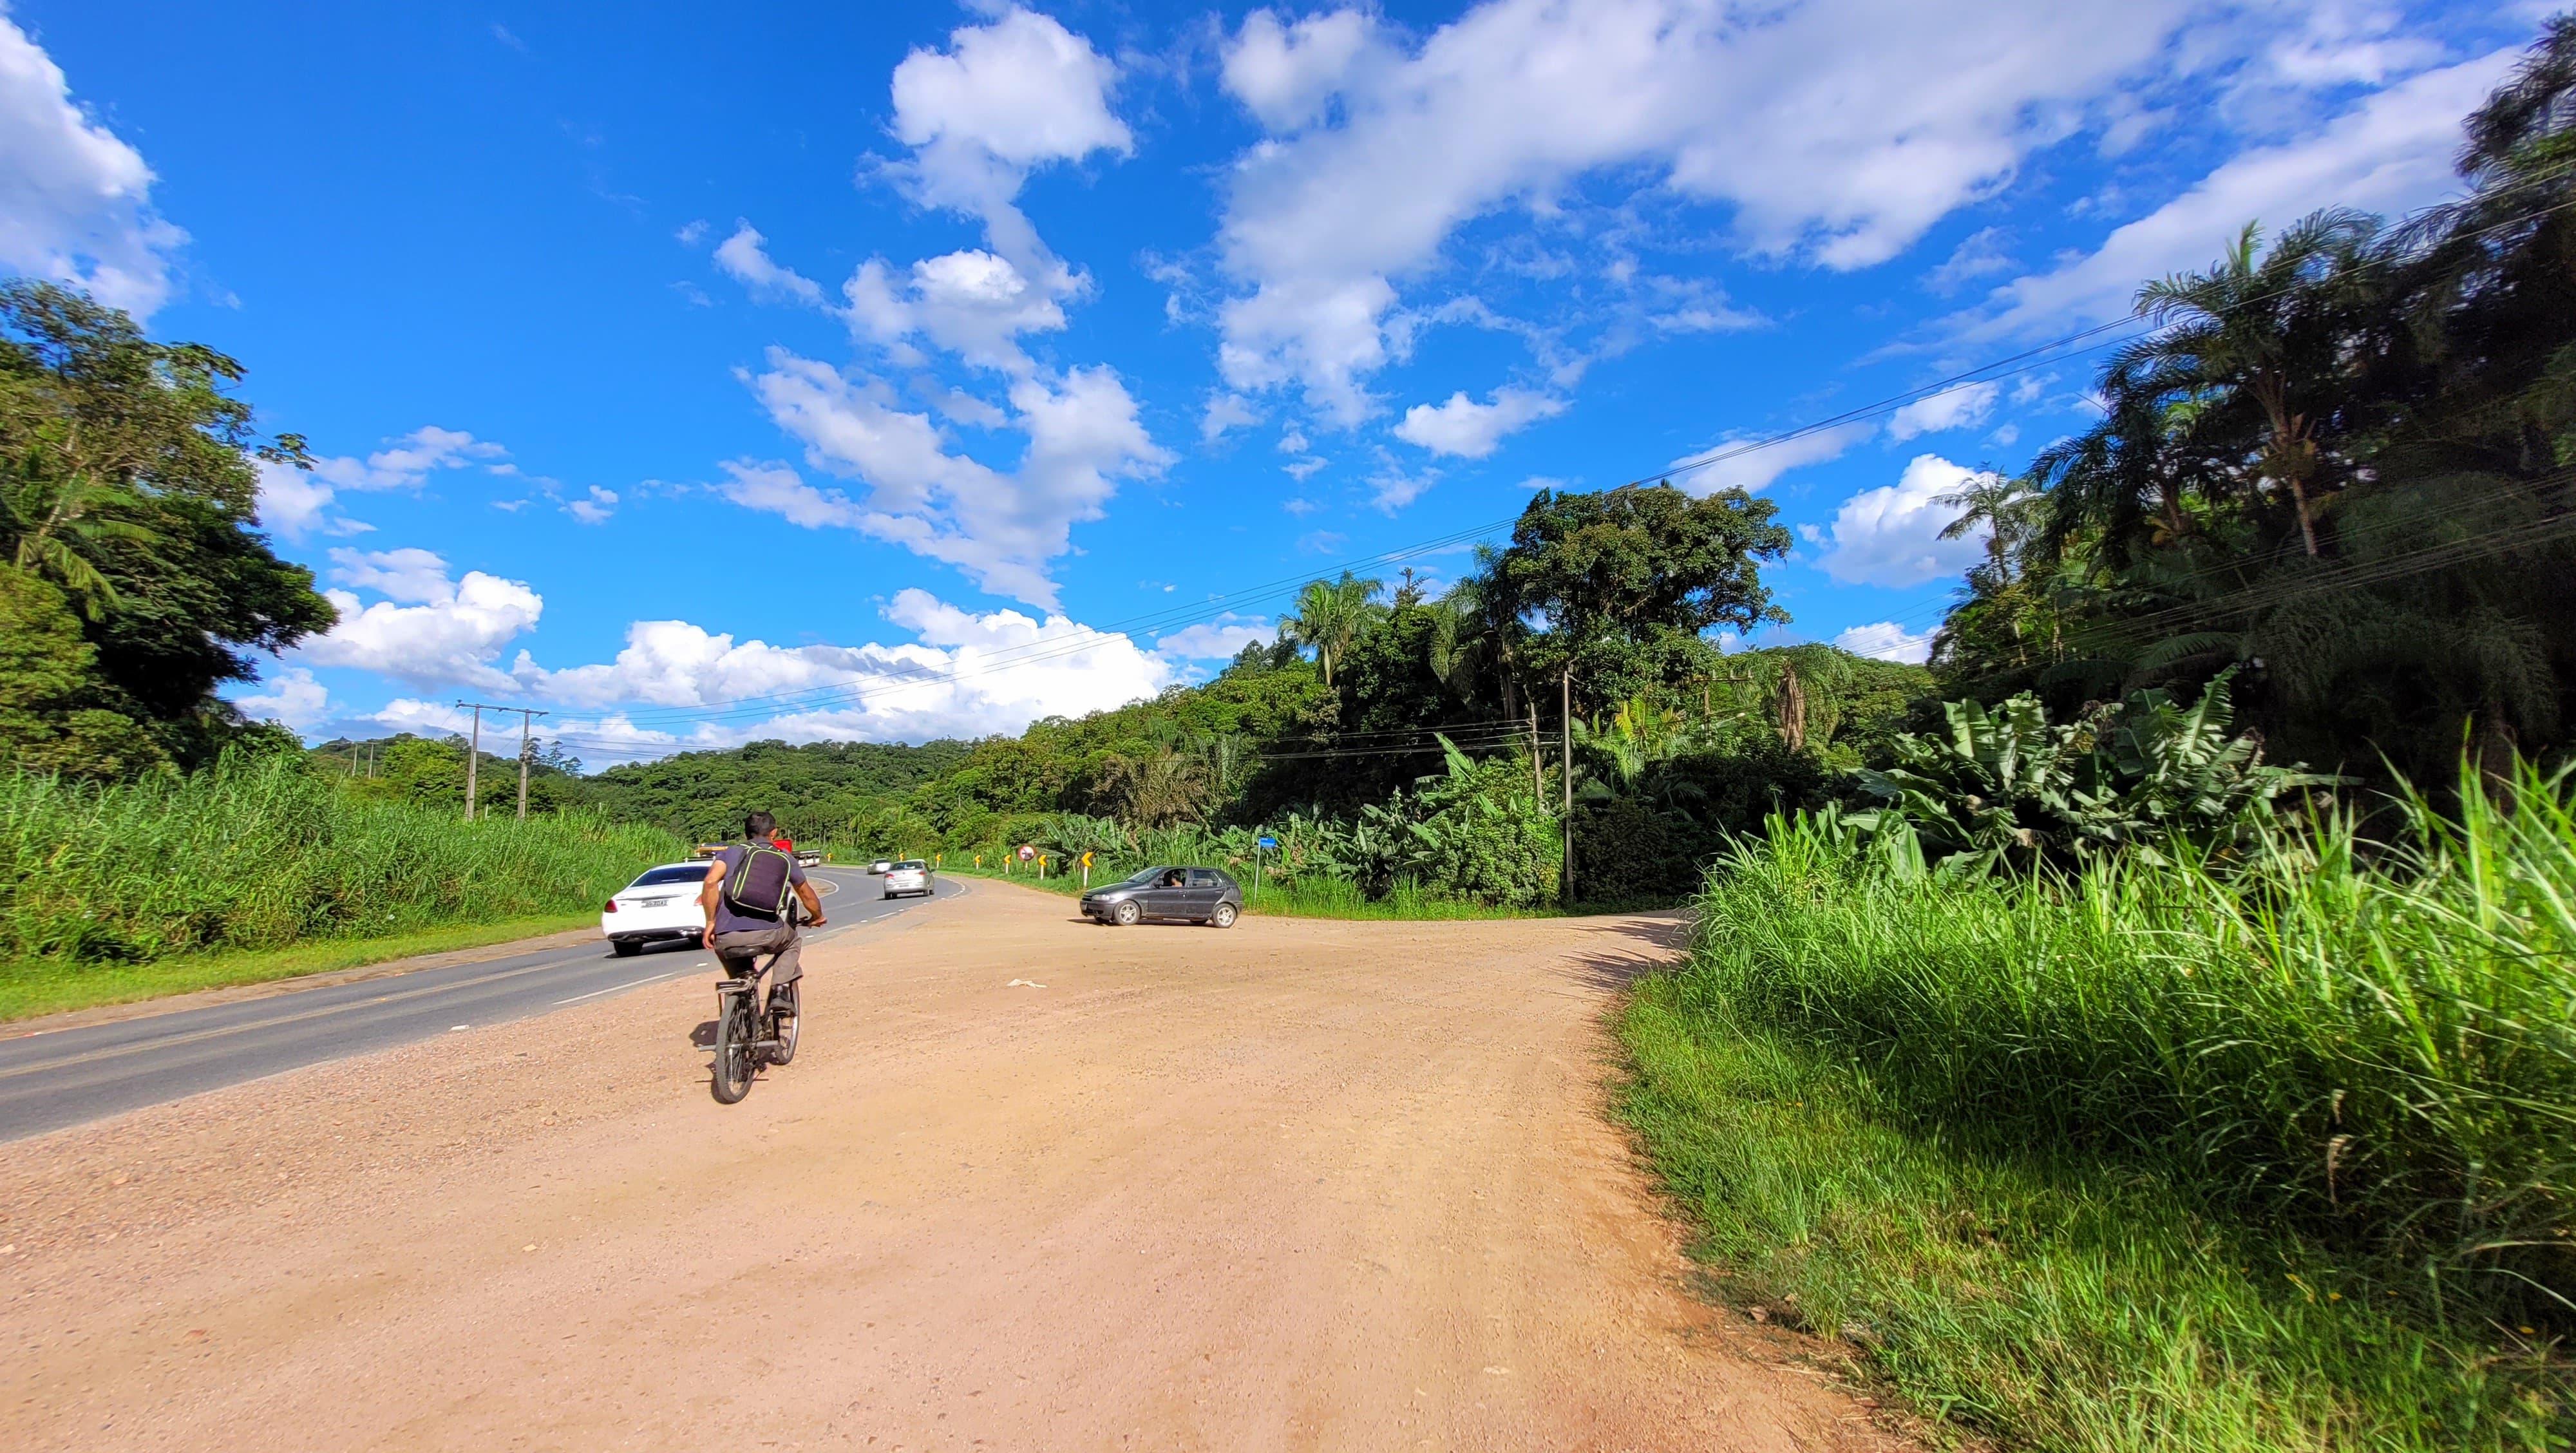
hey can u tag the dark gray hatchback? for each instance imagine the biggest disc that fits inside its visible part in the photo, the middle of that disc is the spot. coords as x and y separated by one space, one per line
1175 894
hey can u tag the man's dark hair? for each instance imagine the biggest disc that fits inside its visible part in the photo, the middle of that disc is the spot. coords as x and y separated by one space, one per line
759 825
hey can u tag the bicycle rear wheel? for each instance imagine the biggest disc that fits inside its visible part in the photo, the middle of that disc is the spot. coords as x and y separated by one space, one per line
731 1078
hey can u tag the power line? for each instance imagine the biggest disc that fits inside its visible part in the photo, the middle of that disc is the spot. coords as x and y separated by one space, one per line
1208 609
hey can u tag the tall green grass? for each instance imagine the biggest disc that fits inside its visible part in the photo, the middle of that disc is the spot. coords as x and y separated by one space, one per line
2048 1298
2274 1154
2378 1046
259 854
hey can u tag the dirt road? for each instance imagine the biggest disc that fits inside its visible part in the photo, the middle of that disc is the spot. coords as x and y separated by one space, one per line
1292 1185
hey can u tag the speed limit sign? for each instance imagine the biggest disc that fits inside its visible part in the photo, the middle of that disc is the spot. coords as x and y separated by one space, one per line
1027 852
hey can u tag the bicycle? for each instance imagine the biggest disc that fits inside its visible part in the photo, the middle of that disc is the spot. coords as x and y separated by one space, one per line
741 1045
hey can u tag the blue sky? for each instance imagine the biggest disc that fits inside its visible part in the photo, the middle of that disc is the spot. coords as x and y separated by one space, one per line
898 371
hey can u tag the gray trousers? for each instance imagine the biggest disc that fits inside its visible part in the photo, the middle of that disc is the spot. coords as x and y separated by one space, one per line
738 949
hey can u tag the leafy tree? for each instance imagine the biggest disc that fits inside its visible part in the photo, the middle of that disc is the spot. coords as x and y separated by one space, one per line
1626 581
128 482
49 689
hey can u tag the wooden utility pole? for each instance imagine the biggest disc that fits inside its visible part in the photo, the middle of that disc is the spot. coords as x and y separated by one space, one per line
474 753
1566 706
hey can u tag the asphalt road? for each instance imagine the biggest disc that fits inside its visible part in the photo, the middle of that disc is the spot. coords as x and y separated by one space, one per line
50 1080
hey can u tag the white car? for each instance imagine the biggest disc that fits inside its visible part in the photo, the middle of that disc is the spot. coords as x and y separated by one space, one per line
878 868
659 906
910 876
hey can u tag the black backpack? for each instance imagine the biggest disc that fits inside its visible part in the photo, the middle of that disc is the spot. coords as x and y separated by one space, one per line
759 884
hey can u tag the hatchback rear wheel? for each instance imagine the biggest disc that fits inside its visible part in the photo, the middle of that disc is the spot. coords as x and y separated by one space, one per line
1223 917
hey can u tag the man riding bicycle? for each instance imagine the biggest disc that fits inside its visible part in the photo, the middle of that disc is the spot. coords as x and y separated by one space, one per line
741 932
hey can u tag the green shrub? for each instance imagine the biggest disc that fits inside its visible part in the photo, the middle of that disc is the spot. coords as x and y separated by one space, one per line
257 852
2148 776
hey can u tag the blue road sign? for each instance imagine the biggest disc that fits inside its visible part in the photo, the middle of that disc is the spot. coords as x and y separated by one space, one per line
1265 842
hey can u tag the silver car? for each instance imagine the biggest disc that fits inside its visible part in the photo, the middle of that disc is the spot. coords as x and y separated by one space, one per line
910 877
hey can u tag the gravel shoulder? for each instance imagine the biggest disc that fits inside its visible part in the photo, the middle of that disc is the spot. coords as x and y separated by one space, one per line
1298 1184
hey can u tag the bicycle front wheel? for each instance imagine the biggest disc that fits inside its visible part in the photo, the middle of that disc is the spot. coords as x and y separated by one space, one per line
731 1078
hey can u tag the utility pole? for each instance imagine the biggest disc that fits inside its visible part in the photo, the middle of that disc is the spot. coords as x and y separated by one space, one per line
1538 780
1567 721
474 753
473 758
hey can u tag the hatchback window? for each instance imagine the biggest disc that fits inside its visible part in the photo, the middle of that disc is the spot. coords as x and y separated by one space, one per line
656 877
1204 878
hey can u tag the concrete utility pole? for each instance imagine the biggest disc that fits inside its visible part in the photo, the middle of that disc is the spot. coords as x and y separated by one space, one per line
1538 782
473 758
1567 708
474 754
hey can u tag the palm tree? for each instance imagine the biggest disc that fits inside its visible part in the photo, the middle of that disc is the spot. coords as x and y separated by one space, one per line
2266 329
59 522
2001 505
1330 615
1158 790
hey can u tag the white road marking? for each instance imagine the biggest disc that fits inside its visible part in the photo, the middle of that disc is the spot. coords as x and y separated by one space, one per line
613 988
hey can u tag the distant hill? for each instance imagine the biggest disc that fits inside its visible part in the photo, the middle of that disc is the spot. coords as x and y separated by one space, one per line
811 789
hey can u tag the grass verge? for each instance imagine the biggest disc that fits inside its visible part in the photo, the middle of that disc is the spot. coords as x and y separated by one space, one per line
1305 898
2052 1303
50 987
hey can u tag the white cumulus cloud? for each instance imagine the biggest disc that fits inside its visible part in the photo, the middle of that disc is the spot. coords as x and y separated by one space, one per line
1470 430
962 675
75 199
288 695
1964 407
1218 640
1891 535
1887 641
1741 463
1284 73
745 258
1000 527
1004 99
971 303
427 631
1836 130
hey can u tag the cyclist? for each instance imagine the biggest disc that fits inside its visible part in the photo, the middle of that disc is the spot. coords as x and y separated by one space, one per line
739 934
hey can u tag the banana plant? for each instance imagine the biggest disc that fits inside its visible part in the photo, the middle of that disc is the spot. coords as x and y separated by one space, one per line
2005 787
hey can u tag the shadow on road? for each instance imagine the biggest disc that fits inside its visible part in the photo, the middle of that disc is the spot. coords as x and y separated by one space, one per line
1624 950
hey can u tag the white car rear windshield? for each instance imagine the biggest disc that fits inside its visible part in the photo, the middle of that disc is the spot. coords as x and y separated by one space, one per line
656 877
912 867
